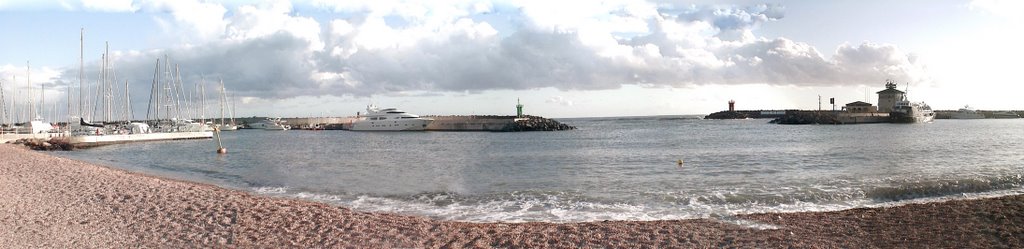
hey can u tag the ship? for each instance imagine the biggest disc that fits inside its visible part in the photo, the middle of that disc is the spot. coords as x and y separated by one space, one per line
389 119
909 112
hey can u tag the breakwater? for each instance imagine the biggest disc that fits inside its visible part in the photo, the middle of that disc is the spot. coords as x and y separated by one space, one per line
831 117
494 123
745 114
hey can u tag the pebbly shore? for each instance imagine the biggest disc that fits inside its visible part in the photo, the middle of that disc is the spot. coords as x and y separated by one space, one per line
53 202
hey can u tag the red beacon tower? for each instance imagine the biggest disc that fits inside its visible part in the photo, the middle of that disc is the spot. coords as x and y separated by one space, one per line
732 105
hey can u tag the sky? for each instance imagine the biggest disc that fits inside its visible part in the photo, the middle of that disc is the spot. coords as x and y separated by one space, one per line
560 59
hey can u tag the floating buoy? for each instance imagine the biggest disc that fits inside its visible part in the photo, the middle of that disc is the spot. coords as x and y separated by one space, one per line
679 162
220 147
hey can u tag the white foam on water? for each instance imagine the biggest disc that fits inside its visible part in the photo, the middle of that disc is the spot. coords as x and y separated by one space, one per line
270 190
558 209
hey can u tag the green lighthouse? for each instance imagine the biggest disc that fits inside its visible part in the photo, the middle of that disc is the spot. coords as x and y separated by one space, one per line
519 109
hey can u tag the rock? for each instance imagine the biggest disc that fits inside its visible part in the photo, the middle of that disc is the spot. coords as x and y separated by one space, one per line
534 123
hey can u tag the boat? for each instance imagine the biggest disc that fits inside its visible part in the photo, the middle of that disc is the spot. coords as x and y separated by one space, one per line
907 112
164 120
1004 114
967 113
389 119
271 124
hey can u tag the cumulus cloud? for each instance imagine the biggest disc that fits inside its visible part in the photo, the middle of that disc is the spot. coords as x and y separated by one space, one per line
269 51
559 100
109 5
1003 8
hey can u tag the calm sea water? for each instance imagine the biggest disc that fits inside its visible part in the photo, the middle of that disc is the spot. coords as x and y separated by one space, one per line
608 169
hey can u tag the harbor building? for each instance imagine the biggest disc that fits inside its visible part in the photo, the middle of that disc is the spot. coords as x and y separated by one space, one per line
887 98
860 107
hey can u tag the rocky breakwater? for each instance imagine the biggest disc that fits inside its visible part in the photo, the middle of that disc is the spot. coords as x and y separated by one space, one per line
727 115
495 123
807 117
45 144
535 123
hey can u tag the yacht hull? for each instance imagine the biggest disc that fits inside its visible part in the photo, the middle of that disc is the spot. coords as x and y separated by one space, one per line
388 125
899 117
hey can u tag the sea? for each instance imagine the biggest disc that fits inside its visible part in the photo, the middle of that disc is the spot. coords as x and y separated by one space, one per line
618 168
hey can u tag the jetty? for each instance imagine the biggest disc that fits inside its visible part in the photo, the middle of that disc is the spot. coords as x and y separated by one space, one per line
491 123
893 107
732 113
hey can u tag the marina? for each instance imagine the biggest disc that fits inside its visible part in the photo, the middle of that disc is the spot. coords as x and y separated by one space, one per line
390 124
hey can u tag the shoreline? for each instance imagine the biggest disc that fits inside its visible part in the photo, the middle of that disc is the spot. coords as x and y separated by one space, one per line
50 201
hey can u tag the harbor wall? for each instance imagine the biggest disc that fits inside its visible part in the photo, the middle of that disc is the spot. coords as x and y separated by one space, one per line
470 123
440 123
745 114
831 117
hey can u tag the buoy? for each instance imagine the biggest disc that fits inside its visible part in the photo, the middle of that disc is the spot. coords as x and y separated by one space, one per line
680 162
220 147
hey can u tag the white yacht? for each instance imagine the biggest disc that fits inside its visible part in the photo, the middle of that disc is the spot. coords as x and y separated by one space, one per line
271 124
967 113
389 119
1004 114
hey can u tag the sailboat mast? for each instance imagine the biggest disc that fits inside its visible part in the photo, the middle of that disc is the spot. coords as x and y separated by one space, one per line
81 70
202 103
222 100
179 91
31 100
129 114
106 83
232 110
3 105
15 115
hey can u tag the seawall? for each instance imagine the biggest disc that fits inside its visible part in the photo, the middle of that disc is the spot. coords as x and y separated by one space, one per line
745 114
493 123
831 117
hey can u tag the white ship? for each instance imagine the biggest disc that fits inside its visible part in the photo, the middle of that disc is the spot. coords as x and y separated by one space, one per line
271 124
389 119
906 112
967 113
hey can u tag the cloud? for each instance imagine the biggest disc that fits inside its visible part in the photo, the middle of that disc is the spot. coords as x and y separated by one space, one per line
109 5
363 48
559 100
1002 8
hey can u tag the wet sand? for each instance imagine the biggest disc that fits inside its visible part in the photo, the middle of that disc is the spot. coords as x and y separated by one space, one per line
53 202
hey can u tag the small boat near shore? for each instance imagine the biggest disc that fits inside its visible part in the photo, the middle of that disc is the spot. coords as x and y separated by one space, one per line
389 119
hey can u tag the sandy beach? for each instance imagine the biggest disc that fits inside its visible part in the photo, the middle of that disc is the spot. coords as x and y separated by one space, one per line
54 202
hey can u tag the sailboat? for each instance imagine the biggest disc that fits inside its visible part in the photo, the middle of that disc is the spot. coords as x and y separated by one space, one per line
161 127
223 104
36 126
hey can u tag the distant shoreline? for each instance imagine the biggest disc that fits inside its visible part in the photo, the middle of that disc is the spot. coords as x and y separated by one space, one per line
56 202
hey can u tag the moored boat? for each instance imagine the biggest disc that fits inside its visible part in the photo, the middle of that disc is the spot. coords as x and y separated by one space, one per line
907 112
1004 114
389 119
271 124
967 113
